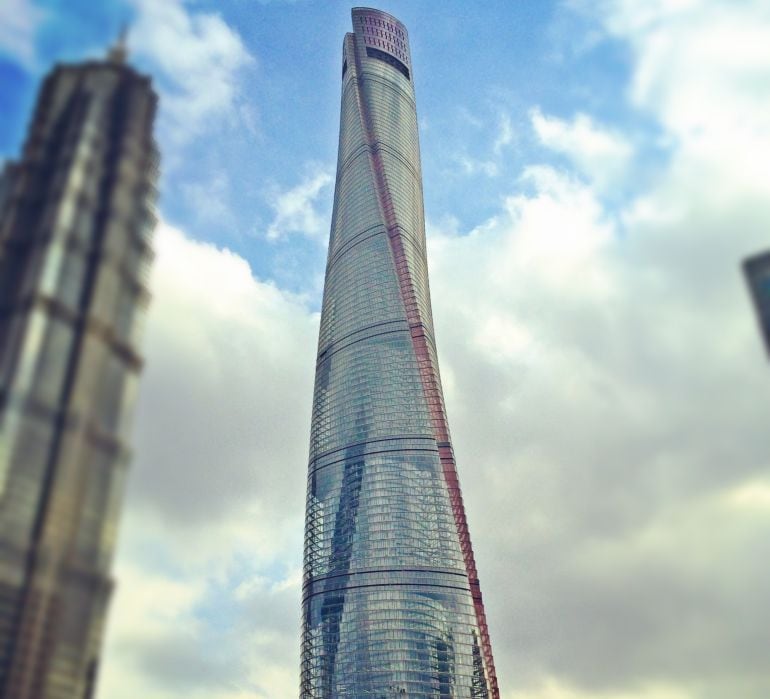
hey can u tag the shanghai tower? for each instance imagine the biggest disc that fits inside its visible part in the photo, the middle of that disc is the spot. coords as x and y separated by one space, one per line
391 598
76 219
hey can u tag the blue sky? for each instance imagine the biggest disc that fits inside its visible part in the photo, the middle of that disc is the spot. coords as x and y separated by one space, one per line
594 173
480 72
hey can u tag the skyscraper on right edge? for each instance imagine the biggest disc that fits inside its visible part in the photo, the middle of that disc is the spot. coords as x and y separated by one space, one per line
757 272
391 599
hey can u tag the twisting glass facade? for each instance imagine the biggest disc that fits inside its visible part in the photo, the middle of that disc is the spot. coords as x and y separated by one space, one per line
391 600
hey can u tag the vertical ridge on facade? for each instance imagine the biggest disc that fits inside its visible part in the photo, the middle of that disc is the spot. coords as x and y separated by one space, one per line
431 386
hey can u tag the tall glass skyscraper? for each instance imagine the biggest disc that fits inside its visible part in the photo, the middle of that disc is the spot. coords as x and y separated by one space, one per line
76 217
391 599
757 271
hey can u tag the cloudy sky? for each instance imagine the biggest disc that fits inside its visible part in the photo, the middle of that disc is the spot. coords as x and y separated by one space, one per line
594 170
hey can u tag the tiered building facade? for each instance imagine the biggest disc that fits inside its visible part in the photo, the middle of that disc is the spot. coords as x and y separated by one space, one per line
76 216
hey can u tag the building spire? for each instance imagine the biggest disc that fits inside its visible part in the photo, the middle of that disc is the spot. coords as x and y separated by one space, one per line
119 50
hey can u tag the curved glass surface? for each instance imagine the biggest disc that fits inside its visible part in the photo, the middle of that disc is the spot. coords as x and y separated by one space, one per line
389 604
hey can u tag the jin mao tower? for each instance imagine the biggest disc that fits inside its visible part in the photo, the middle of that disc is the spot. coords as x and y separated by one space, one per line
76 216
391 599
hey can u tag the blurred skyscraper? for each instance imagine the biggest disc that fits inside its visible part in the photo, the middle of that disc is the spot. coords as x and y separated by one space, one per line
757 271
76 217
391 599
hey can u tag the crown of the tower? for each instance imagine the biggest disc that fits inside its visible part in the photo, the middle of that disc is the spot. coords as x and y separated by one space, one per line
382 32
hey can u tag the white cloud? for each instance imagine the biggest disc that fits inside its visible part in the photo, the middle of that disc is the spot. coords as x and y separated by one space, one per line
199 60
585 373
552 689
599 153
502 135
209 200
210 627
19 22
250 348
505 134
608 396
701 68
295 208
207 581
752 496
559 230
474 166
469 118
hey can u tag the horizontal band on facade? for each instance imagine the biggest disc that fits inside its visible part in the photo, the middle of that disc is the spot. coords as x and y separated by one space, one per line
332 350
374 571
330 347
77 319
105 258
425 437
365 234
389 59
70 421
361 450
307 597
373 232
375 146
314 470
363 74
379 146
419 328
408 236
94 579
399 321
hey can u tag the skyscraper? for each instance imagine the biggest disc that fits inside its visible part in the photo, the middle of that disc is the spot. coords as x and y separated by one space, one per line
76 218
391 598
757 272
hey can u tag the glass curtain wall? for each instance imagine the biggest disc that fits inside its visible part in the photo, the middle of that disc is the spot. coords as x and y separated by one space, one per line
390 601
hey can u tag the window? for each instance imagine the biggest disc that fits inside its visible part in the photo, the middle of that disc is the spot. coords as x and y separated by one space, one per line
387 58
